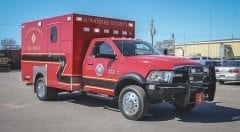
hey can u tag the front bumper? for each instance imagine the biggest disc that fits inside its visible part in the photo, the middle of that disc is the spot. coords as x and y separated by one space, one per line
183 90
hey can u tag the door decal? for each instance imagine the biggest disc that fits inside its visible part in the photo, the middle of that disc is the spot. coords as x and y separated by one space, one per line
99 69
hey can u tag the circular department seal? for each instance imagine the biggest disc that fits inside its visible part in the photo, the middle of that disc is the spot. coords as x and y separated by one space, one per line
99 70
34 38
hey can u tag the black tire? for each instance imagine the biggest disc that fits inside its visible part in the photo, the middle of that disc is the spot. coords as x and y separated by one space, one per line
142 102
221 82
44 93
187 108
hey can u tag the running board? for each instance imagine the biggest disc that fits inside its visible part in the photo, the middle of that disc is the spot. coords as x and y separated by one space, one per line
100 96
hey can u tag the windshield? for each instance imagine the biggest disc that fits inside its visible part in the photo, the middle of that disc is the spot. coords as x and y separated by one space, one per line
232 63
136 47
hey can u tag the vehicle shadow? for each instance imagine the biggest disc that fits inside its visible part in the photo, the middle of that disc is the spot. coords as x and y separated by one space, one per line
78 98
204 113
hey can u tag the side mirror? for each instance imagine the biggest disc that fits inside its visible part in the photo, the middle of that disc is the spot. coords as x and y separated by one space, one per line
165 51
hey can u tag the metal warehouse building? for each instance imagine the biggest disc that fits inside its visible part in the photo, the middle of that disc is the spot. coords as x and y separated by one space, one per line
215 48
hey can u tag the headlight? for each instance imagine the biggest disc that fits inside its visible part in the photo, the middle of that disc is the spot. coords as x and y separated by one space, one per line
160 76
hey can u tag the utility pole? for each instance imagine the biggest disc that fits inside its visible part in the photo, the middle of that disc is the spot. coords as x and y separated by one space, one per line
173 38
152 30
210 32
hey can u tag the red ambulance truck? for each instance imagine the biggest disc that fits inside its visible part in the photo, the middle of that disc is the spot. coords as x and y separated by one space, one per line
99 56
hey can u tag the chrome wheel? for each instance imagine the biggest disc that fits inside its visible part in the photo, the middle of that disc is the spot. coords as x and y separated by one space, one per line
130 103
41 89
133 102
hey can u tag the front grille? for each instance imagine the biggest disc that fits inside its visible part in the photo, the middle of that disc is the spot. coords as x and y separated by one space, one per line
196 78
195 69
189 73
180 76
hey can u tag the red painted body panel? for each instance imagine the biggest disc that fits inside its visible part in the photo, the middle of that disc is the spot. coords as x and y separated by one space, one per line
69 59
73 39
134 64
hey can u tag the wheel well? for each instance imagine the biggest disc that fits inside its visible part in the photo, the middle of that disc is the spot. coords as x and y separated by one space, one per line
36 78
125 83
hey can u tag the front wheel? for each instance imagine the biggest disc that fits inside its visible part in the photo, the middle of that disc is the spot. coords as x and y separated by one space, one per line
43 92
133 102
186 108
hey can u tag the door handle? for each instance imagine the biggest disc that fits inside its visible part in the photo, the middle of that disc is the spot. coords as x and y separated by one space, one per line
90 63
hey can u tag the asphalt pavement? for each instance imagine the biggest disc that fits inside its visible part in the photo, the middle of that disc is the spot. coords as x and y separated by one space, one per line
21 111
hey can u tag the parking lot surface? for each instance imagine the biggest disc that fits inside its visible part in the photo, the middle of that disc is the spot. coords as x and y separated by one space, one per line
21 111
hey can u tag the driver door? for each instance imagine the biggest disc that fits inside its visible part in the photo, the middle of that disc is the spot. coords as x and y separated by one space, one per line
101 68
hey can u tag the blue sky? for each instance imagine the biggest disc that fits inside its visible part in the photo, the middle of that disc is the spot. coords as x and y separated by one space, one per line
189 20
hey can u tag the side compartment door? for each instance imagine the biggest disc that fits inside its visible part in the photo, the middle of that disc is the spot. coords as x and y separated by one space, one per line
101 69
53 54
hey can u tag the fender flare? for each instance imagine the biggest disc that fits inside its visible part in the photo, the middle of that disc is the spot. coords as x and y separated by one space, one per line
129 76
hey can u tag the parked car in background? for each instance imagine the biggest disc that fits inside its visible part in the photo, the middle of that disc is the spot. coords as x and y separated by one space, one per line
5 63
235 58
216 58
229 71
201 59
213 63
219 60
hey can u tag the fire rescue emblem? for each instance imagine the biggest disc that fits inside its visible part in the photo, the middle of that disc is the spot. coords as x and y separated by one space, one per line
99 70
34 38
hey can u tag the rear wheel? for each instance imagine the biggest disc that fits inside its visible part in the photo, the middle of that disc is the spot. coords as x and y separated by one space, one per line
43 92
186 108
132 102
221 82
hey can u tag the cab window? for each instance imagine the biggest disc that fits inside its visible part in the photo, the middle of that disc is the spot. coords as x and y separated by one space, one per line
102 50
